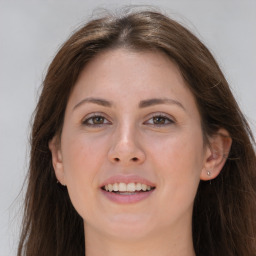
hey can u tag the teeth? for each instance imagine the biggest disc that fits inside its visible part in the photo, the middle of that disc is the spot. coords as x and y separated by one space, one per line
109 187
130 187
143 187
138 186
122 187
115 187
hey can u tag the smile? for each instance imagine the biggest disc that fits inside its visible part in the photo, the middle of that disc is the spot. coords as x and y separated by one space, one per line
130 188
127 189
127 192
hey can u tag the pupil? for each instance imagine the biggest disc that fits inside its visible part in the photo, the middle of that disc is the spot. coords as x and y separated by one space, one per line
98 120
159 120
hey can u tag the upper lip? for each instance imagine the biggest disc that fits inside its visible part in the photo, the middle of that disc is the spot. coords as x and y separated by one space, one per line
127 179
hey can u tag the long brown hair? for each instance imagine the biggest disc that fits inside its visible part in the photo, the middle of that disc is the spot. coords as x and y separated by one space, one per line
224 222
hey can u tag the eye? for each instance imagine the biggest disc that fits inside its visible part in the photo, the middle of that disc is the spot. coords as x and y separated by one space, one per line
159 120
95 120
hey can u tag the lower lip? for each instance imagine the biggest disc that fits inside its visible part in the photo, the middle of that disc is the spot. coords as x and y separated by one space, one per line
127 199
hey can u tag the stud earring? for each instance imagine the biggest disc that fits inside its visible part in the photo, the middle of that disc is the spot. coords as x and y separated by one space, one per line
208 173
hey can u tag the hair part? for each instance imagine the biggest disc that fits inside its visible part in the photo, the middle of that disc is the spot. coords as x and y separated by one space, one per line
224 222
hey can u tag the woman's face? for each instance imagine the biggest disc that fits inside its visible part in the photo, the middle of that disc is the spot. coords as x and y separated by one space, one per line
131 124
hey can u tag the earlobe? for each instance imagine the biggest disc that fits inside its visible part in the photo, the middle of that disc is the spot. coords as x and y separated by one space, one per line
57 163
216 154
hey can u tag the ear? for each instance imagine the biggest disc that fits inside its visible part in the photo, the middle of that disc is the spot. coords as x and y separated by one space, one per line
54 146
216 154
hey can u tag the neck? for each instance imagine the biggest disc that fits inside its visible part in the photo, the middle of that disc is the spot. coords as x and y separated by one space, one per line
169 243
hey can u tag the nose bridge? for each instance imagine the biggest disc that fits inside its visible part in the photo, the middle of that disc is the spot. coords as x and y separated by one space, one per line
125 146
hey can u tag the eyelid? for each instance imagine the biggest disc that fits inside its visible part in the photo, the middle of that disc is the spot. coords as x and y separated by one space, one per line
95 114
170 118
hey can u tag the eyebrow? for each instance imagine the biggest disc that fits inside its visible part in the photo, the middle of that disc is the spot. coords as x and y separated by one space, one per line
156 101
142 104
98 101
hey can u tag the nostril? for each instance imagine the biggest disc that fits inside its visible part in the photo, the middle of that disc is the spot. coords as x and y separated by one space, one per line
133 159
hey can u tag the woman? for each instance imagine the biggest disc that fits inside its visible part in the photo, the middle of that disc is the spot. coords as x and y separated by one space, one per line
138 147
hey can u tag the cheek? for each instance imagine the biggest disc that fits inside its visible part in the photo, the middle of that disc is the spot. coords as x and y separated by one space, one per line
82 160
178 161
179 153
82 154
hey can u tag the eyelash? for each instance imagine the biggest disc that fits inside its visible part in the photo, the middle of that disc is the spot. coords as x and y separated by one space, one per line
167 120
94 116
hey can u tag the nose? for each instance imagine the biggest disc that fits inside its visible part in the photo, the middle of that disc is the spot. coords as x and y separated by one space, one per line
125 148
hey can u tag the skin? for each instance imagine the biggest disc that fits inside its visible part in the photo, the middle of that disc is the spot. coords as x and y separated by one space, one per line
160 142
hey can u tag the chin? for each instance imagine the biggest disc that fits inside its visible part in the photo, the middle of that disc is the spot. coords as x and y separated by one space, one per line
128 226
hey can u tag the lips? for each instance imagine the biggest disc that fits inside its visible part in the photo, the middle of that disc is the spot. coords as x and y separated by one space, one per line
127 179
127 189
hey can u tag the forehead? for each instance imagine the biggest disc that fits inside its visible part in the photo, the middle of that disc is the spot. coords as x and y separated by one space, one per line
121 74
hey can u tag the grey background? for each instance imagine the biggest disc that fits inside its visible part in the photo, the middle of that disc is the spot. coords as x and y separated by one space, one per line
32 31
